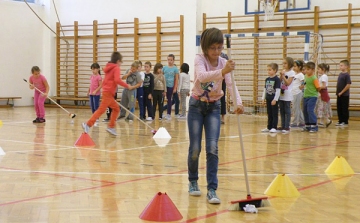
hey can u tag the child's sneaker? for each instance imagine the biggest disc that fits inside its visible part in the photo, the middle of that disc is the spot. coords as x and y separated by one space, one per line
265 130
285 130
149 119
160 119
338 123
106 120
85 127
329 123
36 120
112 131
120 117
194 188
42 120
168 117
293 125
305 129
273 130
321 125
212 198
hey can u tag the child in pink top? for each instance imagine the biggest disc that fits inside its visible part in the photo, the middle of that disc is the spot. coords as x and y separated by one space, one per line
204 110
39 81
95 86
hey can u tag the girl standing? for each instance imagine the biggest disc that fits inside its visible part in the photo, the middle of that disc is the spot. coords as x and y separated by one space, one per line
95 86
184 88
323 106
204 110
159 89
39 81
286 77
298 95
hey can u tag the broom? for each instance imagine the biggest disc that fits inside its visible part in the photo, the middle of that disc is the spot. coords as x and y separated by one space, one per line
240 204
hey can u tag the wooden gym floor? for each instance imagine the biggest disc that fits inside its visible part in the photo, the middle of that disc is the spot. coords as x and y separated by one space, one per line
44 178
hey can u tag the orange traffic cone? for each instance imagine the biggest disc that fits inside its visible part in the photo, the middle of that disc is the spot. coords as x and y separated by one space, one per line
84 140
161 208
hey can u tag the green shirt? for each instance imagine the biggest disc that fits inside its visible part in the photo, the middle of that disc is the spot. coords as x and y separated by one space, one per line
311 85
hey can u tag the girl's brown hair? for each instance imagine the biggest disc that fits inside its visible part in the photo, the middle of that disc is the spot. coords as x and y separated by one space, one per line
157 67
325 67
209 37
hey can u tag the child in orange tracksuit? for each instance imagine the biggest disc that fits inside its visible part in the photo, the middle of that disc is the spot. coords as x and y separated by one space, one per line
111 80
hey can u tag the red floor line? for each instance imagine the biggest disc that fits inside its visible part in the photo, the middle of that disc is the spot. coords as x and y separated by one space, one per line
225 211
139 179
54 195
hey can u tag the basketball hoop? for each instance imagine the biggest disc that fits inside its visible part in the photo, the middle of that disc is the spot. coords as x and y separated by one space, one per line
269 8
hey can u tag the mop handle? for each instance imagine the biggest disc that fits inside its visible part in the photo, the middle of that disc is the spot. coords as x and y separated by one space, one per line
228 46
47 96
123 107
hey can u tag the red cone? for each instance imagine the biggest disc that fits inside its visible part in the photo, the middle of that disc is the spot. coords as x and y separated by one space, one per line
161 208
84 140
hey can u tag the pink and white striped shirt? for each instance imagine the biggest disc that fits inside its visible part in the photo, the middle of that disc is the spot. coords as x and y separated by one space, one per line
208 80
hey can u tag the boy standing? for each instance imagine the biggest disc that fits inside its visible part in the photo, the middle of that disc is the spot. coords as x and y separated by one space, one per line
312 88
148 91
171 74
128 97
343 94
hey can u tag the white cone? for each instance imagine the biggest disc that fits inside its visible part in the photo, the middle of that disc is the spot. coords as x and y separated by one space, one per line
162 142
2 153
162 133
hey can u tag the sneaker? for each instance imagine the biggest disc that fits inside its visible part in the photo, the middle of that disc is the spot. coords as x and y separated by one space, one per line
112 131
184 117
36 120
168 117
343 124
177 116
212 198
301 125
265 130
160 119
131 121
294 125
42 120
273 130
313 130
194 188
85 127
142 119
329 123
149 119
338 123
285 130
106 120
279 129
305 129
321 125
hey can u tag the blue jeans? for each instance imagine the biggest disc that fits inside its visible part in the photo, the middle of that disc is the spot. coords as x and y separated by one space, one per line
204 115
174 98
285 113
309 112
94 102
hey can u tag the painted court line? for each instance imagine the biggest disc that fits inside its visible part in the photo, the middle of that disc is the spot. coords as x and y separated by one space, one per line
140 179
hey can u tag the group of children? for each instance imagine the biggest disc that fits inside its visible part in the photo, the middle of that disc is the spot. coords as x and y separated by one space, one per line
149 89
307 94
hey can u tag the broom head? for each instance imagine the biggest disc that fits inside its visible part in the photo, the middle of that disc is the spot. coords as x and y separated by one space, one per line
257 202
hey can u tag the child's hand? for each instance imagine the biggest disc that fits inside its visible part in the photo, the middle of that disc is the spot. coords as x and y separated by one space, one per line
94 93
239 109
131 88
229 66
149 96
273 102
44 94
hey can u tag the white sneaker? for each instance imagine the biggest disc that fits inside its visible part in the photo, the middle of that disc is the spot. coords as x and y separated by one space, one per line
168 117
273 130
182 117
85 127
149 119
265 130
112 131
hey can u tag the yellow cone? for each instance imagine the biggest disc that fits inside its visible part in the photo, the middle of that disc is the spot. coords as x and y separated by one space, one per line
339 166
1 123
282 186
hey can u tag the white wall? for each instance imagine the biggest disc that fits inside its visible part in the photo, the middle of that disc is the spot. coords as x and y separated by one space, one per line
25 41
22 46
